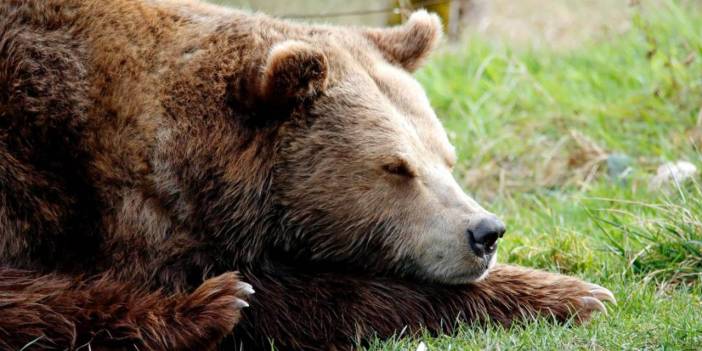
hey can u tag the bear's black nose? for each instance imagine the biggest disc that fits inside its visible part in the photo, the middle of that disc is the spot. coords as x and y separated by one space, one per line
483 235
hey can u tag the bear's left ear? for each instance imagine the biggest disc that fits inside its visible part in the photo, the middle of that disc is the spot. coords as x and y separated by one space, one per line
409 44
292 72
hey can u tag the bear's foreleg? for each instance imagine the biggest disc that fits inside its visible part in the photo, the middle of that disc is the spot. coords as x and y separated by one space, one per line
55 312
326 311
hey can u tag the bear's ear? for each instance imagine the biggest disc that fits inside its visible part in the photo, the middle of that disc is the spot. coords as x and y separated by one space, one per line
292 72
409 44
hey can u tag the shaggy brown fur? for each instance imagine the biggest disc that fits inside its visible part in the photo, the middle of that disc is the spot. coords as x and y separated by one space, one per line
51 311
149 148
320 311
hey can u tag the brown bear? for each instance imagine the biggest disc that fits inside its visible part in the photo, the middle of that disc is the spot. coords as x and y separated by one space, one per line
150 149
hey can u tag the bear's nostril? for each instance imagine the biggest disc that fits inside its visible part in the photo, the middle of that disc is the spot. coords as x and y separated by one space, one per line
484 234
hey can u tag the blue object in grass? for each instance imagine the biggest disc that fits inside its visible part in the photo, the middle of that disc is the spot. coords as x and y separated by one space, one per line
619 167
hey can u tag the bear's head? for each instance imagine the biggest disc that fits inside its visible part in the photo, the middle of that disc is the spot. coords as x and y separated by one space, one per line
363 173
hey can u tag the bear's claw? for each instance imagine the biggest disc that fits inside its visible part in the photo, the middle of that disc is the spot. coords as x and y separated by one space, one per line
594 299
239 304
593 304
602 294
246 288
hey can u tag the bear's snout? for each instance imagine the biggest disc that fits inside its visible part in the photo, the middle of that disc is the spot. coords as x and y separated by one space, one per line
483 234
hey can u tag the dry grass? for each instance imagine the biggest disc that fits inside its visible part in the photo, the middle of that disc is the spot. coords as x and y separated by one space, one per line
561 24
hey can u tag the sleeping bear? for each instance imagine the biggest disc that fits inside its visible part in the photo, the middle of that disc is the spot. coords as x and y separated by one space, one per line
162 160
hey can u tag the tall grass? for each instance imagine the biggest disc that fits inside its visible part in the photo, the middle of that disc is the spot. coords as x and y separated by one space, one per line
665 245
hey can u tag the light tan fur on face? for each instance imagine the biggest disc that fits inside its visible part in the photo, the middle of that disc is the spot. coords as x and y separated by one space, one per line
374 116
443 209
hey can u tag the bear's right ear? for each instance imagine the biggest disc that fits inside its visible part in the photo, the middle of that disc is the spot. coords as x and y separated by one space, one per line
293 72
408 45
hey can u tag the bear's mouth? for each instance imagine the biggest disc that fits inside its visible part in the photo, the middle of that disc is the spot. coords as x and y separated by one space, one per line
489 263
473 275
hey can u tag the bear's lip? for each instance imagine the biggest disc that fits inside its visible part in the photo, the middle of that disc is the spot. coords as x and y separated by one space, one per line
469 277
463 278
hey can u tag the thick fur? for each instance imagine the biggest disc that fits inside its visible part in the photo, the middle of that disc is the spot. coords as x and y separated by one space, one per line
55 312
150 148
314 311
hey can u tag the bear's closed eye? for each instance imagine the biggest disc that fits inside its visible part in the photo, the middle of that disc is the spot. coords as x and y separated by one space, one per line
399 167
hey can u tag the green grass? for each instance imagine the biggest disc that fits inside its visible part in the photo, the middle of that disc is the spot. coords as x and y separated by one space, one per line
534 128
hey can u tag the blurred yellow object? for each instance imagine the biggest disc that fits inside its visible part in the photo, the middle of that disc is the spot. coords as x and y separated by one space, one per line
405 7
452 12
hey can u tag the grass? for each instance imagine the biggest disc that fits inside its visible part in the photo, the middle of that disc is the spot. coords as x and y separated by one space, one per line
535 129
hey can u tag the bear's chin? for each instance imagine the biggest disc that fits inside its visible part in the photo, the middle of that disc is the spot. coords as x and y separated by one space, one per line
491 264
468 278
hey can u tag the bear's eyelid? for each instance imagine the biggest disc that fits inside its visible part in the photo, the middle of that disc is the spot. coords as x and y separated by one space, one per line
399 167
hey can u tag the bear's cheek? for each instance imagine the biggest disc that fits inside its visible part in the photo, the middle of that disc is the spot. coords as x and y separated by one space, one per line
441 253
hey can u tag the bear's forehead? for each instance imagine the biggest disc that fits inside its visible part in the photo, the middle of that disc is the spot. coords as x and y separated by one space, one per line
389 111
411 110
383 98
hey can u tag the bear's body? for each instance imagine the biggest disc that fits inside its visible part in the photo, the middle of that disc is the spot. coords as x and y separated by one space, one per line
148 146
